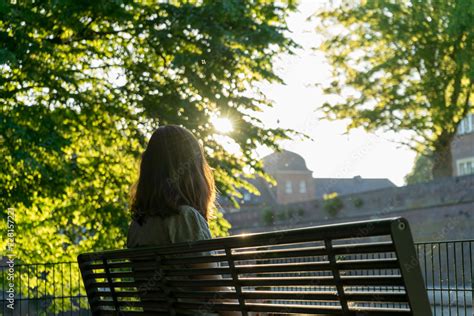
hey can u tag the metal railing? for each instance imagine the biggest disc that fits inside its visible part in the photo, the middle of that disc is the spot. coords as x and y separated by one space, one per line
447 268
45 289
57 288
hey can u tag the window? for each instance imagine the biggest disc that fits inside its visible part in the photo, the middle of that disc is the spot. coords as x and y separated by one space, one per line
467 122
288 187
466 125
247 196
302 186
465 166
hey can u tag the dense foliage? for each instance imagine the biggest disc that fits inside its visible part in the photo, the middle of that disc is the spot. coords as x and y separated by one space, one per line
403 66
421 171
84 82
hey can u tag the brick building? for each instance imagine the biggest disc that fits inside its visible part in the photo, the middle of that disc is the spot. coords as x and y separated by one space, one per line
294 180
462 148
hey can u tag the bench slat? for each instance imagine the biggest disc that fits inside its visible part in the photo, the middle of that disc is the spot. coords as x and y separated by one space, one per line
290 295
257 268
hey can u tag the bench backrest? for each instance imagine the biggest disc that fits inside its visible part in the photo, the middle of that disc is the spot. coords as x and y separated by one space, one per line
358 268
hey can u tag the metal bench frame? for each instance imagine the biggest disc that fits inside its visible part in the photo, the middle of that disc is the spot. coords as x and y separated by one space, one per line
143 280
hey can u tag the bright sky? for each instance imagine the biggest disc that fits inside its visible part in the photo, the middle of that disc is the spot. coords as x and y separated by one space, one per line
330 154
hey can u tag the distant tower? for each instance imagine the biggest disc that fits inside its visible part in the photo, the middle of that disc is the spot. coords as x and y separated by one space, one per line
294 180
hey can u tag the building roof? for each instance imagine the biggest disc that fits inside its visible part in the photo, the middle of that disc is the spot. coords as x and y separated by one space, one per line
344 186
284 161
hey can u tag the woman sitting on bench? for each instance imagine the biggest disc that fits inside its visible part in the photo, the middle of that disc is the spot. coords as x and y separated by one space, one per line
174 196
175 193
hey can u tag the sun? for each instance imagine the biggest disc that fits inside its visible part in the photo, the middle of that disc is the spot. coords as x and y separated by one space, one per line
222 124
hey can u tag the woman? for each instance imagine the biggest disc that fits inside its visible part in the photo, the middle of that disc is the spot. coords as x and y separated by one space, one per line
175 193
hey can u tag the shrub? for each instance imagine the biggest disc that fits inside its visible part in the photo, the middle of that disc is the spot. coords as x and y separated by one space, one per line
358 202
332 203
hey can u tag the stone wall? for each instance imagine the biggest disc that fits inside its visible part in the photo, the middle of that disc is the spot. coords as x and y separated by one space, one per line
437 210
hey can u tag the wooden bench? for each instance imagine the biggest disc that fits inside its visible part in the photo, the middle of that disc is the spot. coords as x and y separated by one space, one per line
358 268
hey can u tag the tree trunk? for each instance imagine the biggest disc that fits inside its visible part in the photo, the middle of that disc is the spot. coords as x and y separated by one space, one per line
442 157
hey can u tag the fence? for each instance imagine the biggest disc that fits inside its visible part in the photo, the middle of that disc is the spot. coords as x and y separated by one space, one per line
448 273
45 289
56 288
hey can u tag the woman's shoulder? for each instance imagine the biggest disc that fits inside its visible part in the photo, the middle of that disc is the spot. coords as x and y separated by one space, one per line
152 232
189 225
189 211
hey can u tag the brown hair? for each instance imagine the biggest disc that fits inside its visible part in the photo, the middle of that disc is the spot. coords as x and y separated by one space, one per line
173 172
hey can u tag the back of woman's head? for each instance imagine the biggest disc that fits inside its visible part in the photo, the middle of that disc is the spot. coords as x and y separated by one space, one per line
173 172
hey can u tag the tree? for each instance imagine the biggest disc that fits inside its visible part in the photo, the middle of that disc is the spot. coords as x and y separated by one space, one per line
332 203
422 170
403 66
83 83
